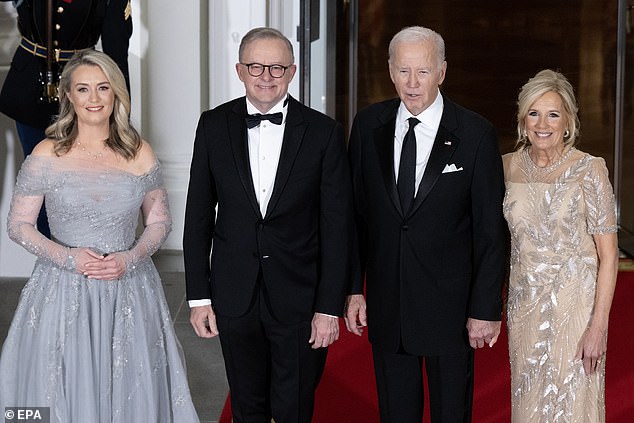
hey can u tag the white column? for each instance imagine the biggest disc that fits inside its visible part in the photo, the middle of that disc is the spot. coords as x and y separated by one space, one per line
171 94
229 21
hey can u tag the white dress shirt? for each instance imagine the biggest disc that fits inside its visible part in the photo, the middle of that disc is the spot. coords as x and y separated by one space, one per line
265 145
425 133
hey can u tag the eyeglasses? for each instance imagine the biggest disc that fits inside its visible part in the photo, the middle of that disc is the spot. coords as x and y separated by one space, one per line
257 69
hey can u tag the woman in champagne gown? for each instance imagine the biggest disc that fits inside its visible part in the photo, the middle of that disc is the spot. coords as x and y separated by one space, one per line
92 338
560 209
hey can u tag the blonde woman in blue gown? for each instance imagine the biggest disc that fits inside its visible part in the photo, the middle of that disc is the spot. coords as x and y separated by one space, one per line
92 338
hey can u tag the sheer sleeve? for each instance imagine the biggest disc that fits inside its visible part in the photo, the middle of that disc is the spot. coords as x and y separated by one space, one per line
156 219
599 199
26 202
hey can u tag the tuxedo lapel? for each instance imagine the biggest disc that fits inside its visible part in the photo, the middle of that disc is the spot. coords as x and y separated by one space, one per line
444 146
239 146
384 144
441 152
293 137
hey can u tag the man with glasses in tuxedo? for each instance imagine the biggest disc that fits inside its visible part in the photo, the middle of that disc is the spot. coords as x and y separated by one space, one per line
277 172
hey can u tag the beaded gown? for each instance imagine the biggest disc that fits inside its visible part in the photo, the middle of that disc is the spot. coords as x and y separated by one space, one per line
552 215
92 350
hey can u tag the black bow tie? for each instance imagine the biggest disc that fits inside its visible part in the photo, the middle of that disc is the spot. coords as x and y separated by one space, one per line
254 120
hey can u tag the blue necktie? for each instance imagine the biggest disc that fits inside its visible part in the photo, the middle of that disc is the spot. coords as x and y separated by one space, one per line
407 168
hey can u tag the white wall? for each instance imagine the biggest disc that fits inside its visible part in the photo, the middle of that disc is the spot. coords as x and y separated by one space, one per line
182 61
171 79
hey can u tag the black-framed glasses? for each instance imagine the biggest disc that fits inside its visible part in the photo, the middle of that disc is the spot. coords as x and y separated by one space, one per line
257 69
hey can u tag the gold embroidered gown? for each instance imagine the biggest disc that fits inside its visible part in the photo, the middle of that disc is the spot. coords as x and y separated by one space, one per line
552 215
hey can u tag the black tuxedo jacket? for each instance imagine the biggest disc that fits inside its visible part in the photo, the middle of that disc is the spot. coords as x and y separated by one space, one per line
302 245
428 269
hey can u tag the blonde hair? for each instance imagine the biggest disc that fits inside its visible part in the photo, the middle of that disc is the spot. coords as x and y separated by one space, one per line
543 82
123 139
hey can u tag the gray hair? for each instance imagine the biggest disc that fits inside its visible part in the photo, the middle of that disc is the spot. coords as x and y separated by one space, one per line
413 34
264 33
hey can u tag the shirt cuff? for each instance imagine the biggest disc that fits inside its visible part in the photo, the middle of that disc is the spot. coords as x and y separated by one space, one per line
199 303
327 315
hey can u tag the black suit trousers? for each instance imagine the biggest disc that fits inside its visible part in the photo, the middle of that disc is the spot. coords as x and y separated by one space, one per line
399 380
271 368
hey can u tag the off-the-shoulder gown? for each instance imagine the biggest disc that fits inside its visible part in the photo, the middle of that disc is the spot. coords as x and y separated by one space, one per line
93 350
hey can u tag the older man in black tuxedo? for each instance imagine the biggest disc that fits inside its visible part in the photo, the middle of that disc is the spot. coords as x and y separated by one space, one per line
428 187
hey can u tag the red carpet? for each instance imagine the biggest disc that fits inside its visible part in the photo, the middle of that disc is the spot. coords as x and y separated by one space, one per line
347 393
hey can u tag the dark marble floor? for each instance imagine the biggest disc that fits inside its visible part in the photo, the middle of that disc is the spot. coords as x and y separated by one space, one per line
205 367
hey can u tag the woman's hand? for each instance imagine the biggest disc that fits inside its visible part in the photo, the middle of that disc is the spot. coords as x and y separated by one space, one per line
103 267
592 347
84 257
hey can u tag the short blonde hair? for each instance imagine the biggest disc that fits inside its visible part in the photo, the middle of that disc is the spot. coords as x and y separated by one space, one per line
548 81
